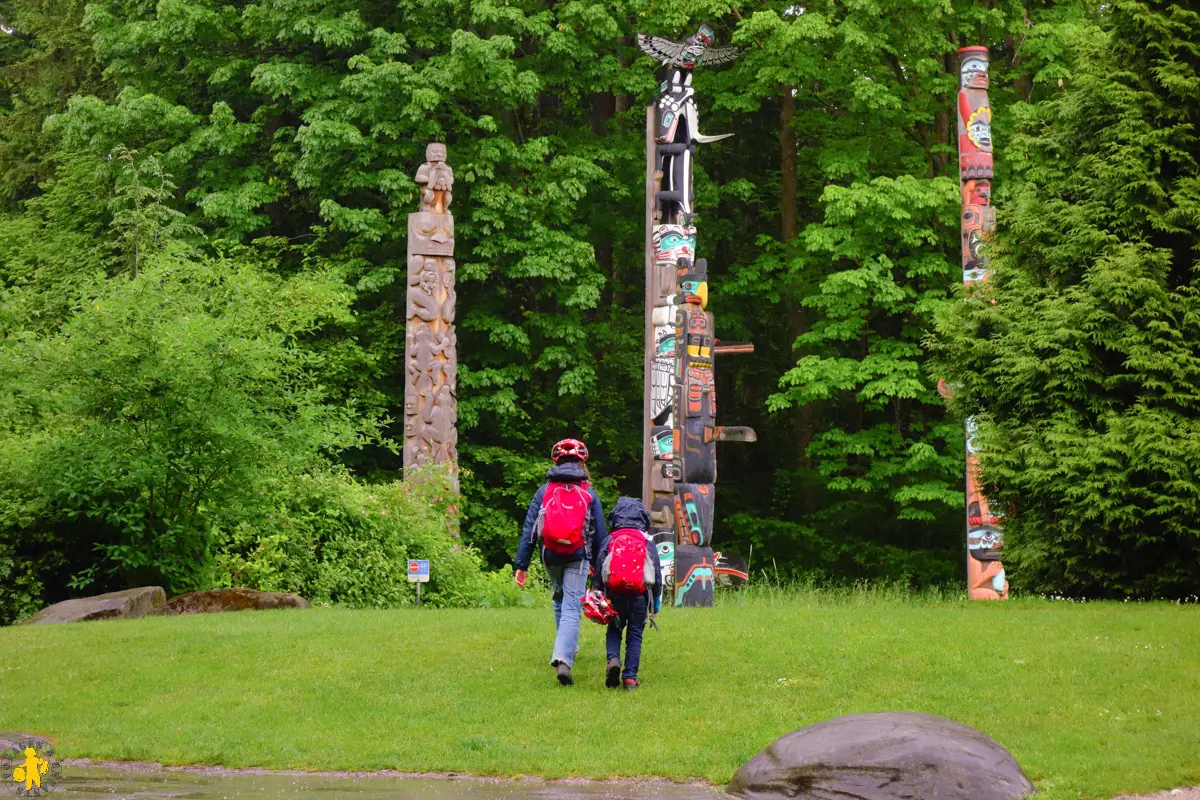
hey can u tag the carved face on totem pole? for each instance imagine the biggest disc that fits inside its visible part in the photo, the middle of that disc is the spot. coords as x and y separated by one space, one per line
974 135
979 128
435 151
673 242
666 558
692 280
429 277
973 72
696 44
431 234
662 443
985 543
977 193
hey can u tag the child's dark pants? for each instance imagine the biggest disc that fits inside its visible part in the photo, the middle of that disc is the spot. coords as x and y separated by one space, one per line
631 615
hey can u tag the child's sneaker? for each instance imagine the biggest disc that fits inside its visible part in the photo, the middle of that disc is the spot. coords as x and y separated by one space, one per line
631 684
613 677
564 674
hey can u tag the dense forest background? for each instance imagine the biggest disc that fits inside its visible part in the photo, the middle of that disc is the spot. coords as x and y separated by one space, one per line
204 212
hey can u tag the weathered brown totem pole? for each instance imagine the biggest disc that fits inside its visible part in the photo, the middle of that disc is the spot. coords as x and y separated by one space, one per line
431 360
680 464
985 537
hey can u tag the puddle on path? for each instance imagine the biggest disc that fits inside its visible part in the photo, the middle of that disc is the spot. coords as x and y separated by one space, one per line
98 783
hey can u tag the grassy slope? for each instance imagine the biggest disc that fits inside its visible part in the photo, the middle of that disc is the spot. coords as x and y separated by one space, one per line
1092 699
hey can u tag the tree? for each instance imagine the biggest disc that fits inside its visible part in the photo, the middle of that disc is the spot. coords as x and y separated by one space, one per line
1081 358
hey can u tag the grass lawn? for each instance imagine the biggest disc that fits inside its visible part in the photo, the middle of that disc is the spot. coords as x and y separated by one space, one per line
1093 699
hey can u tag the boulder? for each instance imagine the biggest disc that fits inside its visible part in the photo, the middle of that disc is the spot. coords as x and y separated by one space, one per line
220 600
885 756
141 602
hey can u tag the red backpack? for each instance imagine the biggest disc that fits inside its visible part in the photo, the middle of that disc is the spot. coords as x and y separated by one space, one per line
564 517
627 568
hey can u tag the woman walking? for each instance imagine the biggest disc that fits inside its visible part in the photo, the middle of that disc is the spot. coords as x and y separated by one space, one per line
565 522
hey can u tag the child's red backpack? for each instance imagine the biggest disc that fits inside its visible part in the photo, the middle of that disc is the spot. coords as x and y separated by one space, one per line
627 568
564 517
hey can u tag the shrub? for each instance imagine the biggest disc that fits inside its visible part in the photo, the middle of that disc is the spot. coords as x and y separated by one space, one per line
157 404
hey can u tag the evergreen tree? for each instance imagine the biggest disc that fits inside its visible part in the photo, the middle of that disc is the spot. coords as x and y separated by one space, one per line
1081 358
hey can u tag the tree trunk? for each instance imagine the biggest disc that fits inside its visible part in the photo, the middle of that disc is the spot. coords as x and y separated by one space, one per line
797 316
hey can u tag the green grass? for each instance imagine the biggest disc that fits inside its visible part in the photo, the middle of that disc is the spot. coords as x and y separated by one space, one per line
1093 699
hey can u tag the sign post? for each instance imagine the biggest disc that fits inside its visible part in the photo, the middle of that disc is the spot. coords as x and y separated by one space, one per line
418 573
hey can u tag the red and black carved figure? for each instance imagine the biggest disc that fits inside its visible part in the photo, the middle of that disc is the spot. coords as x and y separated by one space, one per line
974 115
985 534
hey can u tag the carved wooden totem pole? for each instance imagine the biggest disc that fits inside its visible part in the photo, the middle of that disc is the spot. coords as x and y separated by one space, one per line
680 465
431 360
985 538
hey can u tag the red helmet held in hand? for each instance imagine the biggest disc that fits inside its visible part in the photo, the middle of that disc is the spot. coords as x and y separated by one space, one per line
569 447
597 608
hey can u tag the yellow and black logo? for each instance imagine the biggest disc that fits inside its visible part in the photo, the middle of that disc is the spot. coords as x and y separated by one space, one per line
30 768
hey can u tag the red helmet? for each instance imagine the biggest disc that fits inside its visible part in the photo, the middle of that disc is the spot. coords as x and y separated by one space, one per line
597 608
569 447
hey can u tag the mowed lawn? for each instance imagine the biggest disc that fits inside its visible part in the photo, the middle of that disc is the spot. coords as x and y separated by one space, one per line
1093 699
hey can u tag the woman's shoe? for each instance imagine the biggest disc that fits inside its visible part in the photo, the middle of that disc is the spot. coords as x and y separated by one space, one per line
564 674
631 684
613 677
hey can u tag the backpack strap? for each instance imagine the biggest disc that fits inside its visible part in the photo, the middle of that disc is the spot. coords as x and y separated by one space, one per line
589 524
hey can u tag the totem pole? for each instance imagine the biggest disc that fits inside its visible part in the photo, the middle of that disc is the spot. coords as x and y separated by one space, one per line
680 465
985 538
431 360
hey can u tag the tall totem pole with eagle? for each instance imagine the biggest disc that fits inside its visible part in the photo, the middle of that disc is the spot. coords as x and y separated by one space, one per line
680 465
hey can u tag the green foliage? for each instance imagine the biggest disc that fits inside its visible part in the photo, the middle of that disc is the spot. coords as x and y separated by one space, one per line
1080 360
45 57
335 540
164 397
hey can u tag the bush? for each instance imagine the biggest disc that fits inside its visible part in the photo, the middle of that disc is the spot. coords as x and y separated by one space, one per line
336 540
157 405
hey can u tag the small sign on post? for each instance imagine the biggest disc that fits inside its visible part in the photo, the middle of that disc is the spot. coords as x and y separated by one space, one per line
418 573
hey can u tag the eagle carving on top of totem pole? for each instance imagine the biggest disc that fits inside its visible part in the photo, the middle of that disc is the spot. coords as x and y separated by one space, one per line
676 102
692 52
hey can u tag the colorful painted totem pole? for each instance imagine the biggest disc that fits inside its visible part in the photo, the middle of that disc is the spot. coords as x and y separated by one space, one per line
431 360
985 538
680 465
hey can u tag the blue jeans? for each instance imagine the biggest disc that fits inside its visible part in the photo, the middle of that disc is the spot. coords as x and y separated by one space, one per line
631 615
569 582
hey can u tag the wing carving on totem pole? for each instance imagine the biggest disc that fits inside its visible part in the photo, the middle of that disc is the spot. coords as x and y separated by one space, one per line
719 55
674 53
664 50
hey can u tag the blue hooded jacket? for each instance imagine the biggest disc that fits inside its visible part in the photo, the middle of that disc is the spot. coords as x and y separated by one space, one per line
629 512
570 472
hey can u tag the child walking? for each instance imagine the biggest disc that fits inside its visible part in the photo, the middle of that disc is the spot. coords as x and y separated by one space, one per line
565 524
631 576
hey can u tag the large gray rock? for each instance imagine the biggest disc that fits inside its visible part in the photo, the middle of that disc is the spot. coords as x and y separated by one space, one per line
885 756
128 604
219 600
